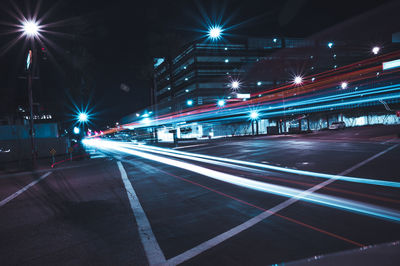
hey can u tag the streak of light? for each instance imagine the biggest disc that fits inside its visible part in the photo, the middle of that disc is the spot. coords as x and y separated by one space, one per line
325 200
194 156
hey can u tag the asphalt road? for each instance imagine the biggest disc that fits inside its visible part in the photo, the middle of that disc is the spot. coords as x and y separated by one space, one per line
137 206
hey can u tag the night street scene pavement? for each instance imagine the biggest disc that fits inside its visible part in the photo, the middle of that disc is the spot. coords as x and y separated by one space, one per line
199 132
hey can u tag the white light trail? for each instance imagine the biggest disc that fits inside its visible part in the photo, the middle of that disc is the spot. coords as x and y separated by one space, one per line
276 168
320 199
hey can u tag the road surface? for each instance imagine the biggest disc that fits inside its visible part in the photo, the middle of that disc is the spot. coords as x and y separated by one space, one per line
226 202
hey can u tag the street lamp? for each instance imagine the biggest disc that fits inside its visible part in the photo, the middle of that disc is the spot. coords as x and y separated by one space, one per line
375 50
221 103
235 84
31 30
83 117
298 80
189 102
215 32
254 115
344 85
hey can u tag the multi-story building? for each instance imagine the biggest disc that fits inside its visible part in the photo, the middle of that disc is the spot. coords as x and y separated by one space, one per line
203 72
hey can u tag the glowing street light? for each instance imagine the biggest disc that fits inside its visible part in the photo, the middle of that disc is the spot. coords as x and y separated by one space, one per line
330 44
254 115
235 84
77 130
83 117
344 85
189 102
221 103
298 80
375 50
215 32
30 28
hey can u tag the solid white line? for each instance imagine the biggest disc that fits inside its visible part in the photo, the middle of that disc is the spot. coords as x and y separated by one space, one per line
153 251
240 228
189 146
22 190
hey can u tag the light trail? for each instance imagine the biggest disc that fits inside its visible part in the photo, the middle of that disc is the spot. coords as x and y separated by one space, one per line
213 159
258 172
325 200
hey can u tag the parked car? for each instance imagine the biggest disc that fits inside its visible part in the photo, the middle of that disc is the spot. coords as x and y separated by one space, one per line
338 125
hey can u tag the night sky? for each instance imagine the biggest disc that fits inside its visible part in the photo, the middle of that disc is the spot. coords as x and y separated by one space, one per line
113 42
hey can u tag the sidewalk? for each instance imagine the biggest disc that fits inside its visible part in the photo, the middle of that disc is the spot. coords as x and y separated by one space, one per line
382 254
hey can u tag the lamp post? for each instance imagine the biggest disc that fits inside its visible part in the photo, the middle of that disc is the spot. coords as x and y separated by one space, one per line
31 30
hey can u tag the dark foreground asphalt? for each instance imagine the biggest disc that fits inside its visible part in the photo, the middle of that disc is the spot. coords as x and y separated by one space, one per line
81 214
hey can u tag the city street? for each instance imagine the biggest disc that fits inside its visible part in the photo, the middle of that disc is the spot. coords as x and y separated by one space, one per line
196 204
199 133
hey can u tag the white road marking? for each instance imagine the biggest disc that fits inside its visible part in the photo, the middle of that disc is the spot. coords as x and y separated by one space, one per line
189 146
22 190
240 228
154 254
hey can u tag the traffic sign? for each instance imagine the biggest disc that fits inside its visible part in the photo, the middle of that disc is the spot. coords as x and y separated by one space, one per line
53 152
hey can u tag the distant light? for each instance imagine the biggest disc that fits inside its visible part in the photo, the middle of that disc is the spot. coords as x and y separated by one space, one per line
235 84
186 79
82 117
274 40
375 50
31 28
254 115
169 88
184 67
221 103
77 130
226 48
344 85
330 44
146 120
189 102
215 32
186 90
312 79
137 114
298 80
226 60
259 83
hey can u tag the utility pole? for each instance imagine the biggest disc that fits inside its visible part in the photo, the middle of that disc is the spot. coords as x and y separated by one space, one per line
31 126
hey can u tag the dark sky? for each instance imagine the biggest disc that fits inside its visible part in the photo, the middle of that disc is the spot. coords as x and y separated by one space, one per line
112 42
